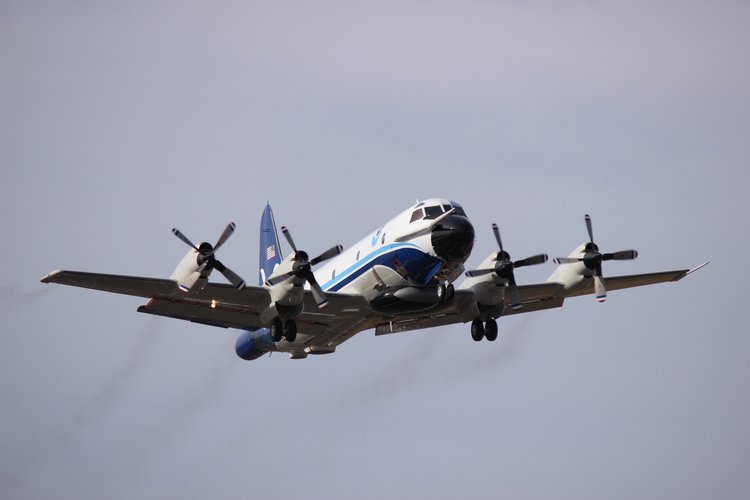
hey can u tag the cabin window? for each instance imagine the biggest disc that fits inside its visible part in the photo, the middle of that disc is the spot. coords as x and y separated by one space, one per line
382 240
357 254
333 275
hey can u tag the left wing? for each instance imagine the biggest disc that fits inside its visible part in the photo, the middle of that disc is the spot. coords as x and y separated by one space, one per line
464 309
635 280
537 297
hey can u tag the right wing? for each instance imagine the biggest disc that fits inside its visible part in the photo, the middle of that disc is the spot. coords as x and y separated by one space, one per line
225 306
127 285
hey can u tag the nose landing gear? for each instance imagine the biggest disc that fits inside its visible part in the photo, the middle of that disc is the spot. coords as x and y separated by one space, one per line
486 330
445 292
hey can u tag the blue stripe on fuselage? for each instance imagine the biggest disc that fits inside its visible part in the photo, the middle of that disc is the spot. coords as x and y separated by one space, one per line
404 258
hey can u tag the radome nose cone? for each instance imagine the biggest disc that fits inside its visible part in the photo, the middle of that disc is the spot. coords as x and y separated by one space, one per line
453 238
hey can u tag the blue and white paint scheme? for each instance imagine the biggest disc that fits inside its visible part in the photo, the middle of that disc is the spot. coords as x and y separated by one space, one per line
398 278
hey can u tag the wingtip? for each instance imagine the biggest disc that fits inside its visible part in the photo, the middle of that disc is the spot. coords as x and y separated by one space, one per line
49 277
691 271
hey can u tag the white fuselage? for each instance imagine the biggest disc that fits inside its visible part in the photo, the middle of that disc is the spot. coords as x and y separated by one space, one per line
399 253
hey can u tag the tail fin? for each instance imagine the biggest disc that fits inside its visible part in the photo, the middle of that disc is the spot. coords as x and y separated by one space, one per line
270 252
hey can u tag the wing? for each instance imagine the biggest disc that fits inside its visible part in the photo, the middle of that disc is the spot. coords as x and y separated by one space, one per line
536 297
634 280
127 285
464 308
225 306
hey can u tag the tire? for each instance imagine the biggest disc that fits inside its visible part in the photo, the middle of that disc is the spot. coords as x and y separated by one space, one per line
450 292
291 331
277 330
490 330
477 330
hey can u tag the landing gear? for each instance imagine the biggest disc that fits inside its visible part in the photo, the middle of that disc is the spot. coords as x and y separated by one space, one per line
445 292
477 330
287 330
291 330
487 330
490 330
277 330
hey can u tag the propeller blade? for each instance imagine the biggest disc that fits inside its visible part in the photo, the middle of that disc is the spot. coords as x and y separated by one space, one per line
621 255
331 252
184 238
225 235
566 260
230 275
320 297
589 228
496 231
532 261
479 272
600 289
288 237
515 297
274 280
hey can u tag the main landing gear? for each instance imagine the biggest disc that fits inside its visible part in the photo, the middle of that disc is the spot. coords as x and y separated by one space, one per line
487 330
286 329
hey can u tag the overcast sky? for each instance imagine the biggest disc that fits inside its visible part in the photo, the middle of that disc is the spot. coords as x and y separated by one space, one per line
121 120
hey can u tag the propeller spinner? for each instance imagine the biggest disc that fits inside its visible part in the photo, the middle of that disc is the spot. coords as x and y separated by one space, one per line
207 260
593 259
504 267
302 268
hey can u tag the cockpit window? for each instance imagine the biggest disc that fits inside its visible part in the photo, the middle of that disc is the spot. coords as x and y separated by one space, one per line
433 212
459 209
416 215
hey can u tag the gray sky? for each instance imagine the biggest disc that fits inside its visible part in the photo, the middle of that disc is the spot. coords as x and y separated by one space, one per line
121 120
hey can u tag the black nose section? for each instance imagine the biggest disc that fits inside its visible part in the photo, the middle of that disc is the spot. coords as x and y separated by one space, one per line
453 238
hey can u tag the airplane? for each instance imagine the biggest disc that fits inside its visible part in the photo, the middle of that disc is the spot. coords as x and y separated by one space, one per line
398 278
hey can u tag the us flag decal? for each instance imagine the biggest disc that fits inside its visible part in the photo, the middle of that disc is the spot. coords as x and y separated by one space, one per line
271 252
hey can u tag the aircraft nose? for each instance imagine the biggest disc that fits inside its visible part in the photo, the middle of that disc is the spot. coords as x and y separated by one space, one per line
453 238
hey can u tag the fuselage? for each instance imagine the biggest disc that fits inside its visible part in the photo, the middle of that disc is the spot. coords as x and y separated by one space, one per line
399 268
425 244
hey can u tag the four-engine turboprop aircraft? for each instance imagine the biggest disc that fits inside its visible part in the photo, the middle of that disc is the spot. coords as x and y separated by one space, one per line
398 278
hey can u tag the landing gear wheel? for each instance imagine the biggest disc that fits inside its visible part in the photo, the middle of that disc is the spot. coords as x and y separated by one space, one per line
490 330
477 330
277 330
445 293
291 330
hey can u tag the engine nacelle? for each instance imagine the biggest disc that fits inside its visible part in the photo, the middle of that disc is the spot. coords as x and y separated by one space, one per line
189 274
575 275
253 344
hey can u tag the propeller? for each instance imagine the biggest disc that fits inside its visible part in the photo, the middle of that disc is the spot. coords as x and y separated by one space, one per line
302 268
504 267
207 260
593 259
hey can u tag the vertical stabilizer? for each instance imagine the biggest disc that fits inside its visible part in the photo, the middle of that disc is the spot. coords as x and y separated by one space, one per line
270 252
